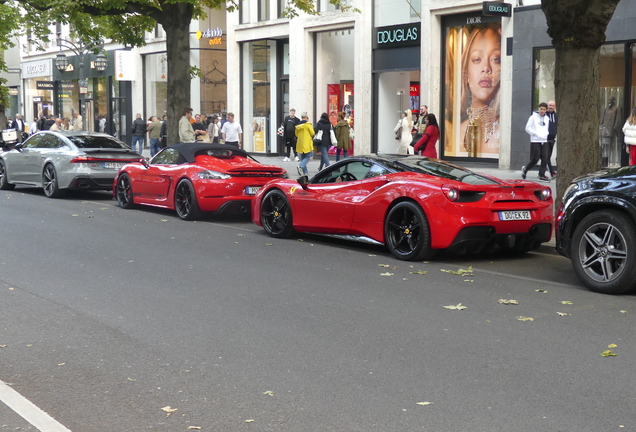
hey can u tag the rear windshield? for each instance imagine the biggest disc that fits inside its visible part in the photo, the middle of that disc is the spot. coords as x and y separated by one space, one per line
91 142
441 169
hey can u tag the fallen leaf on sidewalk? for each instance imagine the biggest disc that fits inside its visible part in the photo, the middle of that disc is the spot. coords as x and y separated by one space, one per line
459 306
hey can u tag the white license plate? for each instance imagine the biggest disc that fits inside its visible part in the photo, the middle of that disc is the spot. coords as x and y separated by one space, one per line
514 215
251 190
114 165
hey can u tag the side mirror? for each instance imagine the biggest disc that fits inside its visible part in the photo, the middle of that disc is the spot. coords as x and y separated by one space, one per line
18 146
303 181
145 162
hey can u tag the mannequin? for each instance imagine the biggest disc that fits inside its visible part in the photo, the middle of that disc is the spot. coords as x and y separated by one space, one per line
608 131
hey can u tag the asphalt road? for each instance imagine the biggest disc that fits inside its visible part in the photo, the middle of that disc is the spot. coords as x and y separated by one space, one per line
109 315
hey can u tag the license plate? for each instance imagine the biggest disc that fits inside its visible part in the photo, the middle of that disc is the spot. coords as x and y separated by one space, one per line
251 190
114 165
514 215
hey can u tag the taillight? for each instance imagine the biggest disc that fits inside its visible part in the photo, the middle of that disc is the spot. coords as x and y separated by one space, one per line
450 193
544 194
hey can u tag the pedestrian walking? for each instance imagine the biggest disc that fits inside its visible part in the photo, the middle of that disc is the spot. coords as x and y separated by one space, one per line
342 135
324 144
304 144
139 129
552 115
629 130
232 132
426 144
403 133
538 127
154 133
186 133
289 135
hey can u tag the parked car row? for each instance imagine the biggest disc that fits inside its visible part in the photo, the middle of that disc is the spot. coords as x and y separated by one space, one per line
413 205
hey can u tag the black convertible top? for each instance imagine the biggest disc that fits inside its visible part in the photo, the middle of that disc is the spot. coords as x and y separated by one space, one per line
188 151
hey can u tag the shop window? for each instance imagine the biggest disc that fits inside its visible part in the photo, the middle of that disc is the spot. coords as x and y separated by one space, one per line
257 96
543 76
472 73
392 12
156 84
612 115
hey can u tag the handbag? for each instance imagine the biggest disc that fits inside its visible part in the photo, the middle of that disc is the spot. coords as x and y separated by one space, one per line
318 137
281 130
398 133
334 140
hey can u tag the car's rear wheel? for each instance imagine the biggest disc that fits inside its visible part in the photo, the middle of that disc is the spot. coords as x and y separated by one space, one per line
185 201
407 233
603 252
4 183
50 183
276 215
124 192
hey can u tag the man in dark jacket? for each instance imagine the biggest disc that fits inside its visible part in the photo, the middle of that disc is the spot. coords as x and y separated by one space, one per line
50 121
164 132
552 128
139 130
18 125
289 135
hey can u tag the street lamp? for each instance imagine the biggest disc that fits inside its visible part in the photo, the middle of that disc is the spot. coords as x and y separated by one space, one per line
80 50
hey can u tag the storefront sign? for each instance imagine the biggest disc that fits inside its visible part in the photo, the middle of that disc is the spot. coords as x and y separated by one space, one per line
37 98
40 68
397 36
13 91
163 68
491 8
124 65
83 86
215 36
44 85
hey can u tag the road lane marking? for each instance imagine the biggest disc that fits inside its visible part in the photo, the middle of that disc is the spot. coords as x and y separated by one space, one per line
28 411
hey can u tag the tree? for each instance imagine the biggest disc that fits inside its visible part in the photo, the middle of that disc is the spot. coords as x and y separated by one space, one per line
577 29
126 21
9 25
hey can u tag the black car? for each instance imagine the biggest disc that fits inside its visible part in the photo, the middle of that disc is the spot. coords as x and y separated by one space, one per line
596 229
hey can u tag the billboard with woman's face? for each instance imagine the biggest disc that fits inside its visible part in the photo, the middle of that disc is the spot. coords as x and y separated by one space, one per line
472 84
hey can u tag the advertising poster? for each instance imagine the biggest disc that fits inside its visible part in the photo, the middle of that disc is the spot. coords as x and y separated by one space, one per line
472 84
259 128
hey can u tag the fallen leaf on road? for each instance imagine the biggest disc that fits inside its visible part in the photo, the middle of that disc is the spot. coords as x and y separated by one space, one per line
61 364
566 302
11 289
612 346
235 242
459 306
372 255
194 427
301 240
268 393
404 279
269 244
623 311
469 280
607 353
386 274
508 302
424 403
164 220
463 272
169 410
131 379
522 318
420 272
541 291
3 346
563 314
383 265
249 421
241 235
74 215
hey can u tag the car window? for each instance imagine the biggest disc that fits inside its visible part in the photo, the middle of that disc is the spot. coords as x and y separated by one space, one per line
167 156
378 170
442 170
49 141
351 171
33 141
91 141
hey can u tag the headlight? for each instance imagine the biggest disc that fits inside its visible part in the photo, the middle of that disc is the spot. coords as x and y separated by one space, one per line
213 175
573 187
451 193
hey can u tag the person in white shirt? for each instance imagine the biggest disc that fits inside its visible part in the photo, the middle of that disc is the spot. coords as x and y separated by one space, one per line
232 132
538 129
34 126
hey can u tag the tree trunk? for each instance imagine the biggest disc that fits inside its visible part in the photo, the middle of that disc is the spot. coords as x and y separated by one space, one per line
577 29
577 85
177 27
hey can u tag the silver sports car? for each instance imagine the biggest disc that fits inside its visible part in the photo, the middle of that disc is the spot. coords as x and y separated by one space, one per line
58 161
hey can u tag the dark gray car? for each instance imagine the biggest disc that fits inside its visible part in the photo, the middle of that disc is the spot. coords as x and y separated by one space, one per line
58 161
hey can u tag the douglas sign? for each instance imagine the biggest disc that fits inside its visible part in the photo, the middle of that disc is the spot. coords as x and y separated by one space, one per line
397 36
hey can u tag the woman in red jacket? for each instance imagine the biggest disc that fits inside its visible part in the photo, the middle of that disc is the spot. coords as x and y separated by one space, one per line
426 144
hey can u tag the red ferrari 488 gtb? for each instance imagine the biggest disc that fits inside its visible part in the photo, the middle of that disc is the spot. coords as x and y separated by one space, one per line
194 177
414 205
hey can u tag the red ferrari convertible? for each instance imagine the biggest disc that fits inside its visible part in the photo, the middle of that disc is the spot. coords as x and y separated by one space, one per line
414 205
192 178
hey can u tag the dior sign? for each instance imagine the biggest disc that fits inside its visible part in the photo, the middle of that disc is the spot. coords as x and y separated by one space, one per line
397 36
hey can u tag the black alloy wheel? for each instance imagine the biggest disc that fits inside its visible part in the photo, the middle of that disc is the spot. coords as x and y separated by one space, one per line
50 183
407 233
4 183
603 252
276 215
124 192
185 201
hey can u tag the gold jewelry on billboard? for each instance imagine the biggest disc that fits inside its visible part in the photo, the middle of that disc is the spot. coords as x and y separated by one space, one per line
482 125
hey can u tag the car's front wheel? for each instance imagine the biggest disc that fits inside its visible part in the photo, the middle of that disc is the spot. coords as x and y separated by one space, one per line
4 183
276 215
603 252
50 183
185 201
407 233
124 192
